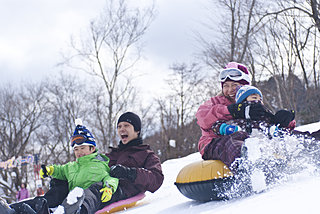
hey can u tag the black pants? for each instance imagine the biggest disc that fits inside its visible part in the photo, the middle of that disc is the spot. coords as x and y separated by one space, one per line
59 191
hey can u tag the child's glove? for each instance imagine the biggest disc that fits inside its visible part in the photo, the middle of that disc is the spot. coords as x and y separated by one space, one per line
106 193
46 171
226 129
119 171
283 117
255 111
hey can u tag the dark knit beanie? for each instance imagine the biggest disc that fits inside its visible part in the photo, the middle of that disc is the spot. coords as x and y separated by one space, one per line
131 118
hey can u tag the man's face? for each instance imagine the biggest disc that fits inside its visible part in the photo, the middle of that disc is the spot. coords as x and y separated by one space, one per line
82 150
126 132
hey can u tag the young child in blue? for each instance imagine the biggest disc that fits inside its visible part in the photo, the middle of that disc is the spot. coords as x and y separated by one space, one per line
249 93
246 93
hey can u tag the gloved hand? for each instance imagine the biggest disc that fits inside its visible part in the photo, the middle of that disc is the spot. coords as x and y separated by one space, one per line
283 117
119 171
46 171
256 110
226 129
106 193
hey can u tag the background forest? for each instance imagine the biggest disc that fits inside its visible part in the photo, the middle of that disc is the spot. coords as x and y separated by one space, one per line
277 40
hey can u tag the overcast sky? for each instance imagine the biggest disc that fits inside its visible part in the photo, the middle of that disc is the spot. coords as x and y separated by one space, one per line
35 32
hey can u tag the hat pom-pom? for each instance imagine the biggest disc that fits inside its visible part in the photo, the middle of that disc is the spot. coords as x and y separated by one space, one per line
78 122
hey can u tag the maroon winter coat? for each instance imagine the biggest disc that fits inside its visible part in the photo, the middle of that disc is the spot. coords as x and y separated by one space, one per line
136 154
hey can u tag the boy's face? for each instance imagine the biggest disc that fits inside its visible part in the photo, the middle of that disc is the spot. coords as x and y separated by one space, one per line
126 132
82 150
229 89
254 97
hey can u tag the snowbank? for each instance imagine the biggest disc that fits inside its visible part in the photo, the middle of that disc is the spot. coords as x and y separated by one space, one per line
298 195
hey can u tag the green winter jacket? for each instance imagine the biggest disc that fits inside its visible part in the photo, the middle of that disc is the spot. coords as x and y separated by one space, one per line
86 171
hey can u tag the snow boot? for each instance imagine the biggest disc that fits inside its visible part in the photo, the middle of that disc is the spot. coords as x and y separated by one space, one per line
72 203
41 205
250 152
25 209
5 208
258 180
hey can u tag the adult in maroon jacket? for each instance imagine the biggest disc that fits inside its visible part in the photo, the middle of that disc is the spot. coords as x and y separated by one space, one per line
135 164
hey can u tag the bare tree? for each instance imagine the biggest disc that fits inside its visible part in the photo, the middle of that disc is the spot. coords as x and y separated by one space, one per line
20 114
177 109
309 8
288 49
67 98
302 22
234 35
184 83
110 52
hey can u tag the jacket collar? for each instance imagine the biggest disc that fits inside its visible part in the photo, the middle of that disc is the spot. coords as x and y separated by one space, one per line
87 157
135 142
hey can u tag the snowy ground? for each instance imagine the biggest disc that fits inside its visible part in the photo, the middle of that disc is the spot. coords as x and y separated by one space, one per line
300 194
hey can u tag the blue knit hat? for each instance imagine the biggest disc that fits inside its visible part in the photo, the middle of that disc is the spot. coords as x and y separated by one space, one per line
81 136
245 91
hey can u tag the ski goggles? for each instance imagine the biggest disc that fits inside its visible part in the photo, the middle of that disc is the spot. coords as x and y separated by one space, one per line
233 74
78 139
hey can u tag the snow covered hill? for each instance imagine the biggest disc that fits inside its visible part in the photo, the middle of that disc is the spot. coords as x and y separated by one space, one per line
300 194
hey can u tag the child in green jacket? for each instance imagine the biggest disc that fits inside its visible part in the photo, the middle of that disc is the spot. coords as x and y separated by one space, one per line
89 168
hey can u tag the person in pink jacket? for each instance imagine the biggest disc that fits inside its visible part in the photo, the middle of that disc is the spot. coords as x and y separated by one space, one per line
223 107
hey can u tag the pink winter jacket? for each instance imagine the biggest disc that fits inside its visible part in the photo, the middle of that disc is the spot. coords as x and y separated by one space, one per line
208 113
